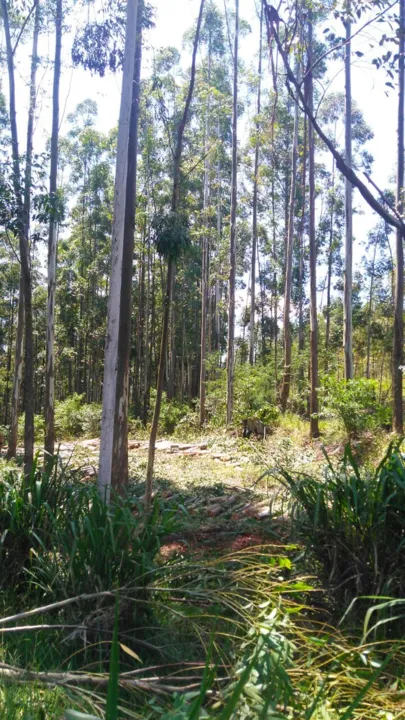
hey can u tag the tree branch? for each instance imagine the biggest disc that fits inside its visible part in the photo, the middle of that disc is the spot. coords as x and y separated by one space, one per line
395 220
24 26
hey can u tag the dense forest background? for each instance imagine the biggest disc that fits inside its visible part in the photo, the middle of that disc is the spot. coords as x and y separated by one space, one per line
270 307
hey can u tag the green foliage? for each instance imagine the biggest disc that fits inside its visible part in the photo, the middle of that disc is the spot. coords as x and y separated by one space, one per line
254 395
57 532
73 418
355 403
171 234
68 417
172 412
355 524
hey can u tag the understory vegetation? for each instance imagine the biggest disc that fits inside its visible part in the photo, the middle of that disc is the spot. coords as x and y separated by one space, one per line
108 613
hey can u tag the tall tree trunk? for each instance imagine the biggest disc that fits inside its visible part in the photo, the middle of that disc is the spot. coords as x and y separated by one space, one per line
255 198
398 352
370 311
205 249
18 370
23 205
232 248
301 337
217 283
314 428
329 276
53 233
113 467
171 365
348 275
285 390
170 269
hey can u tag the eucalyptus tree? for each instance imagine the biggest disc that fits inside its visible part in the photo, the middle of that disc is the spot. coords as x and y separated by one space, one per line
171 238
115 392
398 350
52 241
232 247
22 192
255 197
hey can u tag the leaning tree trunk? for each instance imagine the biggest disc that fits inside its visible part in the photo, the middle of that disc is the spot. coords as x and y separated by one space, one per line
232 248
170 270
205 252
113 444
348 275
285 390
23 206
53 232
314 428
255 199
398 353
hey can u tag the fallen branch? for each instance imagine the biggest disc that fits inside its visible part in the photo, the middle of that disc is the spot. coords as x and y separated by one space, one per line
10 673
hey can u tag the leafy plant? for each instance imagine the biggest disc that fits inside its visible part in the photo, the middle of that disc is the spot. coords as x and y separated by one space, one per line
355 403
355 525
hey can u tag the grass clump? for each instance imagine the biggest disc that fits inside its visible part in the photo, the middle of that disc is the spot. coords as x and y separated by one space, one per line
353 520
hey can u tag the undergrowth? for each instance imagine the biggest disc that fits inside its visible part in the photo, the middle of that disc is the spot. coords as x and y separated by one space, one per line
97 620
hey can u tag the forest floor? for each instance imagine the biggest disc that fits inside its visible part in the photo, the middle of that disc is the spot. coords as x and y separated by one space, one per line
227 487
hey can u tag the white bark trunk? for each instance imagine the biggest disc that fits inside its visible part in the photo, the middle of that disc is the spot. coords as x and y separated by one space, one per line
232 249
52 243
112 403
348 275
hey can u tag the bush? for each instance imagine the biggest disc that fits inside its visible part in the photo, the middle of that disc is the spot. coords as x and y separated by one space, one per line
354 522
57 532
253 393
355 403
171 412
68 417
91 420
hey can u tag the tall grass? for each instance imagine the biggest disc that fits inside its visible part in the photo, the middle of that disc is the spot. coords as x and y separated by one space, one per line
354 523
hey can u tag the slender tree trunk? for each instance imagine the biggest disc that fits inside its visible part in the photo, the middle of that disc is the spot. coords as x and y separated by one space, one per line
314 428
275 280
18 370
348 275
232 249
113 468
285 390
53 233
398 352
255 198
370 311
171 365
23 205
217 284
329 277
170 270
205 250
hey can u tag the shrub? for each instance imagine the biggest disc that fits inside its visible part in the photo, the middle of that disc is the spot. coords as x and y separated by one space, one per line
171 412
355 403
91 420
253 392
58 532
354 522
68 417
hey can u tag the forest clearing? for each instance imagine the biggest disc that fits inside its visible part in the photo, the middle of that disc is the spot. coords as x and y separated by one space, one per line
202 459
